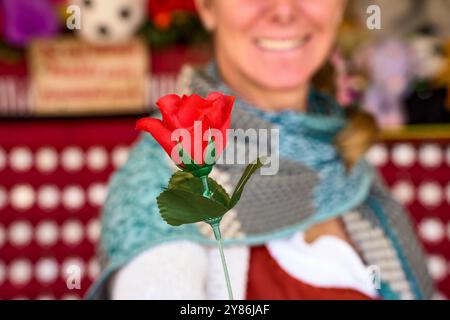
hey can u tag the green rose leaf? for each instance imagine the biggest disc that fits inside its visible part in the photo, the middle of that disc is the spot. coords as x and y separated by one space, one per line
248 172
183 201
186 181
178 207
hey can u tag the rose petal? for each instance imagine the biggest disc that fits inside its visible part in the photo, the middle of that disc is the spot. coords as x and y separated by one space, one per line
221 145
196 140
169 105
192 108
221 108
161 134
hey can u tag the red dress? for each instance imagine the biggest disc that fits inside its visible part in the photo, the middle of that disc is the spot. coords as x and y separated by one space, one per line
268 281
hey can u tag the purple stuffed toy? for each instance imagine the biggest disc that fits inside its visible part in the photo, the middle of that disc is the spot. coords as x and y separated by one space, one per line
391 71
25 20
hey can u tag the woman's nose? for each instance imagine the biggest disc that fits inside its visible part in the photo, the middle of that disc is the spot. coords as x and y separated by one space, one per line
283 11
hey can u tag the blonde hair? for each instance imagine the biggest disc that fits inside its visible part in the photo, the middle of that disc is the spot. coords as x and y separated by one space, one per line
354 140
361 131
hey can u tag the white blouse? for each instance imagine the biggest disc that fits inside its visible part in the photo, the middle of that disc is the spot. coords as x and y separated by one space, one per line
328 262
186 270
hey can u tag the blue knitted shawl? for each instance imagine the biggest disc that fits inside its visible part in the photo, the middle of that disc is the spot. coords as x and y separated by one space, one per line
312 186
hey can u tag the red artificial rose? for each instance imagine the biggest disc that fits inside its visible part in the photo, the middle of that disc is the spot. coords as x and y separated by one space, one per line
163 20
156 7
193 121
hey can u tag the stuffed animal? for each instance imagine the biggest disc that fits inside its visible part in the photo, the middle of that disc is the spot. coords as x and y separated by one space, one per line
427 102
390 70
444 76
110 21
26 20
429 55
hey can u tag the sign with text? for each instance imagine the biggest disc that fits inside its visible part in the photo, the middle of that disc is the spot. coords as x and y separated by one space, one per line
69 76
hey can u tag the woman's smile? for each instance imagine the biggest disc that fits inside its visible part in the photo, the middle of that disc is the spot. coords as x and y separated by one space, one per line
282 44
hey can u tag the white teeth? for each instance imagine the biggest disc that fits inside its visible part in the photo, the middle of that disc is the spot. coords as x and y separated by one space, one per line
285 44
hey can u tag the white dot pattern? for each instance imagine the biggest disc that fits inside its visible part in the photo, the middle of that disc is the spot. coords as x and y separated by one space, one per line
378 155
71 264
46 159
93 230
20 233
3 160
432 230
97 158
2 272
72 159
437 267
48 197
47 233
3 197
46 270
97 194
430 156
22 197
447 193
21 159
403 192
430 194
120 156
64 237
403 155
73 197
2 235
72 232
20 272
93 268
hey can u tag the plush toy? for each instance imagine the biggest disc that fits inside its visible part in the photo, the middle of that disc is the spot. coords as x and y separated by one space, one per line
391 70
26 20
110 21
428 53
426 103
444 76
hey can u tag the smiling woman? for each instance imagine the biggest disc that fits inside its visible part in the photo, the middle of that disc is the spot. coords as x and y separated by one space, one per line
312 231
268 51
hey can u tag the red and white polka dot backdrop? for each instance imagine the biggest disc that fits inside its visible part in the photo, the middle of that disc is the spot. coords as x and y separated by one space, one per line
418 172
53 180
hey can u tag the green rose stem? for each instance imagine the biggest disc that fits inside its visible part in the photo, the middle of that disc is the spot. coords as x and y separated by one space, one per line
215 225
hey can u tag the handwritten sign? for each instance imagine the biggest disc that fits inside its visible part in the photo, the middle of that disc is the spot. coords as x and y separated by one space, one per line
69 76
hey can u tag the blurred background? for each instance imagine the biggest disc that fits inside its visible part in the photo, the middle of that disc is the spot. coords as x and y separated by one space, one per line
71 90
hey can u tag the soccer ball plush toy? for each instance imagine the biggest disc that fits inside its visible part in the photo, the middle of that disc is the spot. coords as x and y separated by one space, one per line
110 21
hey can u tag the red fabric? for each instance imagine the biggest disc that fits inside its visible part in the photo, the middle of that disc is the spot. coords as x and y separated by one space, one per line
268 281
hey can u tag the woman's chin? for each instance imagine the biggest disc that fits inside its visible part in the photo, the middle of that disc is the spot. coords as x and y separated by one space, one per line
283 81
